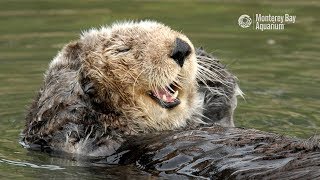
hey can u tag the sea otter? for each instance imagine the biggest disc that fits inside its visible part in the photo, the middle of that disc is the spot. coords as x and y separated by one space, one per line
126 79
140 93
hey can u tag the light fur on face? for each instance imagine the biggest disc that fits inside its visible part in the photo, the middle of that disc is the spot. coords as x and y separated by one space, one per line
128 60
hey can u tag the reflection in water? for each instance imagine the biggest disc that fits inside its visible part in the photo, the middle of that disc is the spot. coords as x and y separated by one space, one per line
26 164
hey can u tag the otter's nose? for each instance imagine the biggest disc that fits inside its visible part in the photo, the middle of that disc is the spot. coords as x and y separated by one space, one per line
181 50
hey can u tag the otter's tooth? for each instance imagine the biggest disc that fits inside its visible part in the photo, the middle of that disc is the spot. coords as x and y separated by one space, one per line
168 87
164 97
175 95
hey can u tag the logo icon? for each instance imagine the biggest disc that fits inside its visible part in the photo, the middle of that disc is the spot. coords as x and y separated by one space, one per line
244 21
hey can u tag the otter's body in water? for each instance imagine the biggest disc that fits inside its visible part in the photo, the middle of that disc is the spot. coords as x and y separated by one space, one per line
127 79
220 153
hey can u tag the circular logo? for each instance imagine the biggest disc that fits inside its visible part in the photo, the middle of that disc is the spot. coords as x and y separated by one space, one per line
244 21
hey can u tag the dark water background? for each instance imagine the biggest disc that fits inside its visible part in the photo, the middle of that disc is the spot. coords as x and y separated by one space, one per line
278 70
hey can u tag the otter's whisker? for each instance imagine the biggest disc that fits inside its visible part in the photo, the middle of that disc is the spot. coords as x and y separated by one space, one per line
203 116
134 83
175 83
209 74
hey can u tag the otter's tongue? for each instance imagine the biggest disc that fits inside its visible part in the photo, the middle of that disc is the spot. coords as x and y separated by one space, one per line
165 95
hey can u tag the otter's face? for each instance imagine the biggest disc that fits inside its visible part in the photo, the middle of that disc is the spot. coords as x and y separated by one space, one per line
146 70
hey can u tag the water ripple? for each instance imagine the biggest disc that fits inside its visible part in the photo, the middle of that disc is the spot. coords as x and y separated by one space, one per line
26 164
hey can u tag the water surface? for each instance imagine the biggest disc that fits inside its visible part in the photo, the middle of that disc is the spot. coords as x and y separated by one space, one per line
278 70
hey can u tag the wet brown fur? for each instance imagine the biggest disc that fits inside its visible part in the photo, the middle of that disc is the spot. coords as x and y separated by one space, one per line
222 153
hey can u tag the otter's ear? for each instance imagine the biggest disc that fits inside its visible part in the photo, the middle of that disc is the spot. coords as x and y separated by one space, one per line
73 51
68 57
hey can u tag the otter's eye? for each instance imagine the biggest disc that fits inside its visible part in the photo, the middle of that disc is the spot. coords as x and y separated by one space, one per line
123 49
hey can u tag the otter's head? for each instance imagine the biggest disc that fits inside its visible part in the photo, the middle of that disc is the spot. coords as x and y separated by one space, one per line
144 70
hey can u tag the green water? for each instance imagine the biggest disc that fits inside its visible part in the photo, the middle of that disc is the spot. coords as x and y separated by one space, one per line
278 70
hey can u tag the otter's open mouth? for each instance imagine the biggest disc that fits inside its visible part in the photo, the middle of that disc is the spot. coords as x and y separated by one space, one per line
167 97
